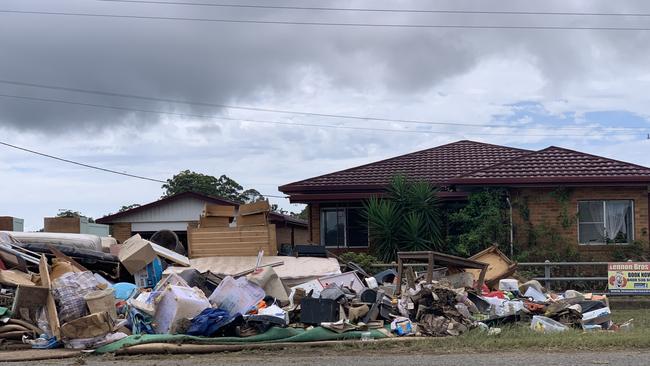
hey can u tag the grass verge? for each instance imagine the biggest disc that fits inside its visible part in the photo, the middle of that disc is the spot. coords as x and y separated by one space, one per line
520 337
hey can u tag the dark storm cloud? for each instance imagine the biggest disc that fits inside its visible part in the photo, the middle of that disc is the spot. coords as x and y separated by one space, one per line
232 63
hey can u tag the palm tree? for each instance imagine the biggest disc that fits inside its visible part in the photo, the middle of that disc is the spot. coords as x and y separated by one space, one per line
408 219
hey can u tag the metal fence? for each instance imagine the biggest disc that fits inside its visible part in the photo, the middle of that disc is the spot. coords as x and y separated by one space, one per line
551 270
549 267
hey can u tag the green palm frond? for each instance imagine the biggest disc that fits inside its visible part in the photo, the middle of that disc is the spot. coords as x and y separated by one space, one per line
408 219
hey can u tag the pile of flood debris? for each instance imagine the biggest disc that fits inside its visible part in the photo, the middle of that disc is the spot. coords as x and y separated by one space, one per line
58 295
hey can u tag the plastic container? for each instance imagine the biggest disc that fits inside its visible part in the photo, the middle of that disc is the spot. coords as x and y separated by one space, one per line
102 301
178 303
236 296
509 284
546 325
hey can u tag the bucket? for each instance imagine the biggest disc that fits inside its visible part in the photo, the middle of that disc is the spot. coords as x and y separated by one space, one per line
100 301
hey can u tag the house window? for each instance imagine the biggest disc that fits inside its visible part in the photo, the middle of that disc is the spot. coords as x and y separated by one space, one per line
606 222
344 227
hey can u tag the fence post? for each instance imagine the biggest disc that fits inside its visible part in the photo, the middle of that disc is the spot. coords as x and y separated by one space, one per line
547 275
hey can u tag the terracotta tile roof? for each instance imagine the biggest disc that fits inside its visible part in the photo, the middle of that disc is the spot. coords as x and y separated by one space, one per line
558 165
436 165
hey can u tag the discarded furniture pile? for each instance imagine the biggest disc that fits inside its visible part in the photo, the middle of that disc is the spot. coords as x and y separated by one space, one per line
170 298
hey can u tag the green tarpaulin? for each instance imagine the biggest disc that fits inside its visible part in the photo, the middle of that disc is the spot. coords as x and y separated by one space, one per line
271 336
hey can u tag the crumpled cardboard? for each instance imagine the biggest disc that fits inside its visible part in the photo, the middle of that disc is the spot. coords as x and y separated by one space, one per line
89 326
15 278
59 268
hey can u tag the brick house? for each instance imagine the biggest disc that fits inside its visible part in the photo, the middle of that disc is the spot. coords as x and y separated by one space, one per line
589 204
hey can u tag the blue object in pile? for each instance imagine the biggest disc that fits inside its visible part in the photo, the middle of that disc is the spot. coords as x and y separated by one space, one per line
208 322
123 290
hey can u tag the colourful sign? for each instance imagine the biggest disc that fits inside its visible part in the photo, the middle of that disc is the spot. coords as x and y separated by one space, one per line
631 278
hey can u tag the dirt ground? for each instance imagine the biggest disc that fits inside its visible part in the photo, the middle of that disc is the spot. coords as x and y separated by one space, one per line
371 358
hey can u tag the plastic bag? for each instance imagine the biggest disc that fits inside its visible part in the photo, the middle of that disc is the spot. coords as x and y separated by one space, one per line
69 291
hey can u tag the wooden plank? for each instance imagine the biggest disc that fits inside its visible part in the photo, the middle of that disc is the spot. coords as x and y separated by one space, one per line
229 252
52 315
252 220
233 235
224 230
254 208
213 221
273 241
212 210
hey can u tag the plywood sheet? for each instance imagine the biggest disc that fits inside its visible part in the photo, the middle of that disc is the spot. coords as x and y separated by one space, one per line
237 241
499 265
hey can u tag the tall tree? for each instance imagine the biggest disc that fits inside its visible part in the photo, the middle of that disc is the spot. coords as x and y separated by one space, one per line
225 187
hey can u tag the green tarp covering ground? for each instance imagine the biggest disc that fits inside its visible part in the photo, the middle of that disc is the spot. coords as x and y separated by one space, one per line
271 336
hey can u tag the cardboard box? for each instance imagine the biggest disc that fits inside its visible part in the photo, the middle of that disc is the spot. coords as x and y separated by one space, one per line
254 208
90 326
251 220
598 316
149 276
214 221
210 210
136 253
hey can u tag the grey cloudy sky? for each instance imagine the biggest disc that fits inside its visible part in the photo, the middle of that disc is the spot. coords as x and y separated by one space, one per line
549 87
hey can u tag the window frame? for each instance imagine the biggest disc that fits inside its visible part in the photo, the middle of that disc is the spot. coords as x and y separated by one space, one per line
604 204
345 244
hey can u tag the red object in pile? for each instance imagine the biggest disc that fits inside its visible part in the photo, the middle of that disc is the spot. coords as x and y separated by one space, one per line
2 265
485 291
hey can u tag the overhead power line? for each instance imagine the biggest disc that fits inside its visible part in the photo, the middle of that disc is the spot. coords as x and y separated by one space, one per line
375 10
94 166
330 24
80 164
293 124
273 110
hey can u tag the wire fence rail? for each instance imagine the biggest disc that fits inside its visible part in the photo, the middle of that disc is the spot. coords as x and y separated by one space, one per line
549 267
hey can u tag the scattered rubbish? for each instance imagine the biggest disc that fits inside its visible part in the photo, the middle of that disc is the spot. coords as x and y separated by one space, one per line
401 326
535 294
87 299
